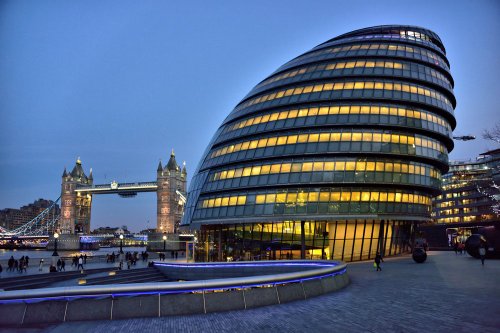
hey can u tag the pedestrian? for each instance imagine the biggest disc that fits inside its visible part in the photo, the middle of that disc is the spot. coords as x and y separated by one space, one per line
455 247
20 265
482 253
27 260
10 263
378 259
1 269
176 254
85 259
63 265
80 263
121 265
41 265
59 265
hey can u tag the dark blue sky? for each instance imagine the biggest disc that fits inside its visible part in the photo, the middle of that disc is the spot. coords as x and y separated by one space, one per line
120 83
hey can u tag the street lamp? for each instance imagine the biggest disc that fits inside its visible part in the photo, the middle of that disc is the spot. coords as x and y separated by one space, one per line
465 137
56 236
164 243
121 244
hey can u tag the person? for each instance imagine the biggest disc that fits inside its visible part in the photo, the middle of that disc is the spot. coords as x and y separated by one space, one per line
120 267
63 265
10 264
176 254
85 259
80 263
27 260
455 247
1 269
41 265
482 253
378 259
59 265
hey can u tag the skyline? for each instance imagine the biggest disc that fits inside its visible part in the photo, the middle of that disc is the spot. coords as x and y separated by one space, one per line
122 93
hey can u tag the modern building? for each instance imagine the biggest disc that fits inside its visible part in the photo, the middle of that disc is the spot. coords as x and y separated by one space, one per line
336 154
11 218
470 201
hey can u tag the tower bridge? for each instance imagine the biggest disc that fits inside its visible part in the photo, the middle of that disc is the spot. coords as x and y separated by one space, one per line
78 189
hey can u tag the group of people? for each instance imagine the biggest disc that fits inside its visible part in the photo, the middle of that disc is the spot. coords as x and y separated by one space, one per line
173 255
17 265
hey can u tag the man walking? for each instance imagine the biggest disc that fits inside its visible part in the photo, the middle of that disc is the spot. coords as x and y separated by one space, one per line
378 259
482 253
80 263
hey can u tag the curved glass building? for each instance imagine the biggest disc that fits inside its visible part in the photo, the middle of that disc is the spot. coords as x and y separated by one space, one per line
336 154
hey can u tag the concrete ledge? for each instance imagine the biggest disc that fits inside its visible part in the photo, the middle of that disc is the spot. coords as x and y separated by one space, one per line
137 306
181 304
89 309
328 284
313 288
284 282
256 297
224 301
339 281
45 312
290 292
12 314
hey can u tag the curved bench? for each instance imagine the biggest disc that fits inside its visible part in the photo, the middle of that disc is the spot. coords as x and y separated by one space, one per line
219 287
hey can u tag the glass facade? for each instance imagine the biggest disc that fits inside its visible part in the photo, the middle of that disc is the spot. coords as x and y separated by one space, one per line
335 155
470 193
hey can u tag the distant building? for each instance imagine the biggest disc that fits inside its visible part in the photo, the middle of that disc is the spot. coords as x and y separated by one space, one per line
469 192
11 218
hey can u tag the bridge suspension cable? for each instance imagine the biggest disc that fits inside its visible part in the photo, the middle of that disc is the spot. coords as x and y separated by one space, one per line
41 225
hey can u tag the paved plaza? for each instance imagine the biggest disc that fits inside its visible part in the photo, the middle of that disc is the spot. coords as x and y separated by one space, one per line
448 293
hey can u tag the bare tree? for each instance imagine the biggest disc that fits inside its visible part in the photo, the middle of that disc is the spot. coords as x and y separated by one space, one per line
493 134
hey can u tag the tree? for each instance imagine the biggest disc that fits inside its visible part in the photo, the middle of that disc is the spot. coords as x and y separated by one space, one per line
493 134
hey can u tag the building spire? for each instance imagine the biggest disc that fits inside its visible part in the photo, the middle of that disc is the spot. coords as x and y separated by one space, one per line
65 173
172 163
184 170
160 167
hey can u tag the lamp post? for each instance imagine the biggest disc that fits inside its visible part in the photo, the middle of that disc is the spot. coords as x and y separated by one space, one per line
164 243
121 244
56 236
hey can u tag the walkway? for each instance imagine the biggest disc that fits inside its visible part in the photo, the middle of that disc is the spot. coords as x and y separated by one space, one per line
448 293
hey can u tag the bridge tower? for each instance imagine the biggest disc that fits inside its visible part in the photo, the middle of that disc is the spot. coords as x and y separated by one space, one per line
170 207
75 207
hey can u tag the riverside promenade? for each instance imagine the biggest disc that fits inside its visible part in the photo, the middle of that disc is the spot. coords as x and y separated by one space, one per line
448 293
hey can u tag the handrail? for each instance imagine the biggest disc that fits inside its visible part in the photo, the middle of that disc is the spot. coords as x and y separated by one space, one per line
325 268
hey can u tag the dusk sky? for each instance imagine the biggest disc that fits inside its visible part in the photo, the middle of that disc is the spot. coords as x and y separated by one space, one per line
121 83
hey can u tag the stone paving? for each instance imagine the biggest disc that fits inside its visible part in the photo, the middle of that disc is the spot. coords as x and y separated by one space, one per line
448 293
